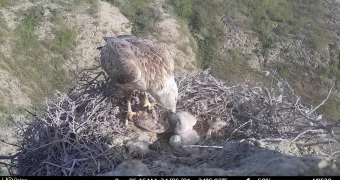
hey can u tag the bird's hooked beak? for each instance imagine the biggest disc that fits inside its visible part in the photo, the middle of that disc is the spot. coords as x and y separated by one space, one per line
173 110
172 113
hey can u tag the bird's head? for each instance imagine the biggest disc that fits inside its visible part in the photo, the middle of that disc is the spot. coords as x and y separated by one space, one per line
167 96
119 46
183 121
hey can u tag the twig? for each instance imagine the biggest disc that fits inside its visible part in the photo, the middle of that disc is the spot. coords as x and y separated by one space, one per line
238 129
192 146
274 139
322 103
8 165
244 115
10 156
35 115
336 152
316 130
3 141
270 97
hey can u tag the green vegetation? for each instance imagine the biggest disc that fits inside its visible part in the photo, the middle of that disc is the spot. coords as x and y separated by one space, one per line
5 113
235 69
3 30
31 61
139 13
3 173
331 109
332 71
94 6
64 39
56 16
4 3
27 41
273 22
203 19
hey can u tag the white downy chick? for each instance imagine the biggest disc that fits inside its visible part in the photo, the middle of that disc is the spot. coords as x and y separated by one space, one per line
183 121
190 137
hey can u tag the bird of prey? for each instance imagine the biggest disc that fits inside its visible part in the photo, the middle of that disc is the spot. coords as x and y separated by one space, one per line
140 64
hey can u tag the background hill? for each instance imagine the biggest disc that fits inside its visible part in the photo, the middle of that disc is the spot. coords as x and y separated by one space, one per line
297 38
44 41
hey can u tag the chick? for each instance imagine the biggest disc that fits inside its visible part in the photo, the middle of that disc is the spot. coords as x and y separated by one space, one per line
183 121
189 138
216 127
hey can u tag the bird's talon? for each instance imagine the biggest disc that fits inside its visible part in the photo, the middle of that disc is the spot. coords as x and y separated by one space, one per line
131 114
148 105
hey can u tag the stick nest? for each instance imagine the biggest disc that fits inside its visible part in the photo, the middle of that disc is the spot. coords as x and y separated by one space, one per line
73 135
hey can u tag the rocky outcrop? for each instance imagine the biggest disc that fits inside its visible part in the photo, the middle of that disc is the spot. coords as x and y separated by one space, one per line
244 158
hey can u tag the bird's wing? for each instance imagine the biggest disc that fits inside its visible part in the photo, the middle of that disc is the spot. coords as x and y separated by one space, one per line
118 60
155 62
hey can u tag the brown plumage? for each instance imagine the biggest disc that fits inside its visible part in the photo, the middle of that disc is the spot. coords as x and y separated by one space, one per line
136 63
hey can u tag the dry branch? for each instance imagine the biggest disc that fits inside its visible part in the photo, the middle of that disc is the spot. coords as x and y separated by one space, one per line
200 146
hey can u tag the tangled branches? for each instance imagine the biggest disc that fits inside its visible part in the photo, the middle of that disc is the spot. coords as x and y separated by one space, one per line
70 138
255 111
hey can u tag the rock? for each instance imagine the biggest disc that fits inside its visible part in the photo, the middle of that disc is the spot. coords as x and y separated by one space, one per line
325 167
162 165
130 168
138 148
242 158
186 171
290 166
192 150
